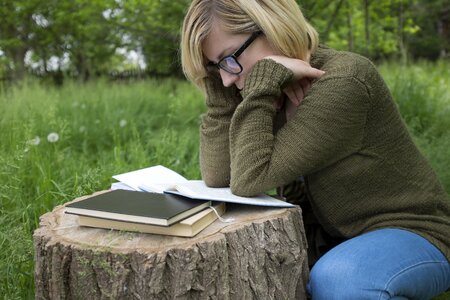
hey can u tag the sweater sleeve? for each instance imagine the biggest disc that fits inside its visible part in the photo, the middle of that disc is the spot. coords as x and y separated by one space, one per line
221 103
328 126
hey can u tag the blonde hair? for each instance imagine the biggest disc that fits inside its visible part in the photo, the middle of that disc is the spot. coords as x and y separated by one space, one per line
281 21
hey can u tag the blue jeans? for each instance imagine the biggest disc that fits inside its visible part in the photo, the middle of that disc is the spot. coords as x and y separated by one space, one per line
383 264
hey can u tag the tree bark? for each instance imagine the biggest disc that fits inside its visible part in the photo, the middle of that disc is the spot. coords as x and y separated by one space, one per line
332 20
444 31
366 4
401 39
17 55
261 255
350 27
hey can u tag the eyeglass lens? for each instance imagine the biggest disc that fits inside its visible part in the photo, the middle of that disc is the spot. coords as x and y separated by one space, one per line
230 64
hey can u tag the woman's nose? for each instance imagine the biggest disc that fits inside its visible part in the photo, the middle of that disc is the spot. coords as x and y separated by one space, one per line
228 79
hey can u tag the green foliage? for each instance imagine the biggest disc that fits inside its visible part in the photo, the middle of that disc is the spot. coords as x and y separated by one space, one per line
87 38
377 29
103 129
432 39
154 27
107 128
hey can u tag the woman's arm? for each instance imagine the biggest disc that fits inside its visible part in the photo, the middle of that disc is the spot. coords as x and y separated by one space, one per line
328 125
221 103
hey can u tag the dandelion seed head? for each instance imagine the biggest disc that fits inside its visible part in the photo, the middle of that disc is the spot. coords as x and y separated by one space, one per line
52 137
34 141
123 123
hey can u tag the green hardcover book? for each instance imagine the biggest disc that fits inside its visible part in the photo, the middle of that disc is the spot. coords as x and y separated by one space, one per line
188 227
137 207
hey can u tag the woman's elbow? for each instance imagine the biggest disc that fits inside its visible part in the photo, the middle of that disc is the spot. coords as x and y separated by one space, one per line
244 188
215 180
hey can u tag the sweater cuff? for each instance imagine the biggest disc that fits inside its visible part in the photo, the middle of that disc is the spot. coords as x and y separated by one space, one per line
218 95
267 76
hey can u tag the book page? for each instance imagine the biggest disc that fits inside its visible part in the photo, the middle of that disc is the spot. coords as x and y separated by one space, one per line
197 189
154 179
121 186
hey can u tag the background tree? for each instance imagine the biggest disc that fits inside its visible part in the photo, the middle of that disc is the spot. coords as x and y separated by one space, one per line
432 41
152 27
85 38
17 32
87 34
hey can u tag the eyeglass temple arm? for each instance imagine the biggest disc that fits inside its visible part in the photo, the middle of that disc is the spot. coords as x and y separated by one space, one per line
247 42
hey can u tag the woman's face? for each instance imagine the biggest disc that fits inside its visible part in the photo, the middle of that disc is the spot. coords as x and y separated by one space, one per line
220 43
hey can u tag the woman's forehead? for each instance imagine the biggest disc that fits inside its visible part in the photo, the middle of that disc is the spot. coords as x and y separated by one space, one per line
220 42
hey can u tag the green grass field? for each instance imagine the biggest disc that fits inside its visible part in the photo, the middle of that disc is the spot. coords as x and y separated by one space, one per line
60 143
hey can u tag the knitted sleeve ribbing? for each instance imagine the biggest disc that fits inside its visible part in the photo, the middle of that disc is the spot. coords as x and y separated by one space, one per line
221 103
328 125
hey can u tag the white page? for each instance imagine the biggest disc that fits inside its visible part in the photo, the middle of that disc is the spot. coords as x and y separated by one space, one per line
155 179
121 186
197 189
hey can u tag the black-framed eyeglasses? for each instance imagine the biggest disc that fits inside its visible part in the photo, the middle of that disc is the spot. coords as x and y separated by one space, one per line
229 63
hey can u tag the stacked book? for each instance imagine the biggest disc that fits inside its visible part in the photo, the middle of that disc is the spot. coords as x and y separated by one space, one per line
160 201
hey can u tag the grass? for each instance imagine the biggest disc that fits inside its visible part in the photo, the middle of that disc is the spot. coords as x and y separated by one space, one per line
107 128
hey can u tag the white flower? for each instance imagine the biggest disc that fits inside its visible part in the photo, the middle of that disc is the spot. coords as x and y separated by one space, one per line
35 141
52 137
123 123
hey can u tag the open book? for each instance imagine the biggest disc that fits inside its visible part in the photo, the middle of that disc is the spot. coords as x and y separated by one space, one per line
159 179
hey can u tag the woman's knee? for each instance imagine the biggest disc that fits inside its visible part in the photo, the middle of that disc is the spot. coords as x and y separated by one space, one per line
332 279
372 266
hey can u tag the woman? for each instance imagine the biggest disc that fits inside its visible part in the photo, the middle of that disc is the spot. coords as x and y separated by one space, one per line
321 126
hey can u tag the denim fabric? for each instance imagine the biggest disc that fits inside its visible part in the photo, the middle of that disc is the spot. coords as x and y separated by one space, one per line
383 264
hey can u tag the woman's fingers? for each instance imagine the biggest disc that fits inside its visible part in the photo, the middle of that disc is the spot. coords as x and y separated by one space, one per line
300 68
303 74
295 92
313 72
306 85
291 95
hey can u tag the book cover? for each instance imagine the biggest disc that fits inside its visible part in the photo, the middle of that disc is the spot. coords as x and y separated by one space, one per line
188 227
139 207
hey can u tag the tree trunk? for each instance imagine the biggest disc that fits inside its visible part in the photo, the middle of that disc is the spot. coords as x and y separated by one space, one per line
350 27
261 255
17 55
332 20
444 32
401 42
366 25
82 67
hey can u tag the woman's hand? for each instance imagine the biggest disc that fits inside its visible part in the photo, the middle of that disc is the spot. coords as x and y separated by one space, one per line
303 74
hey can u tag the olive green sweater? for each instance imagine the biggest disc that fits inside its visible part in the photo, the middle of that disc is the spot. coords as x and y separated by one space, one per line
347 138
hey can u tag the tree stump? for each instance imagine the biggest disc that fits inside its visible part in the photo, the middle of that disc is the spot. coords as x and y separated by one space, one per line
261 255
